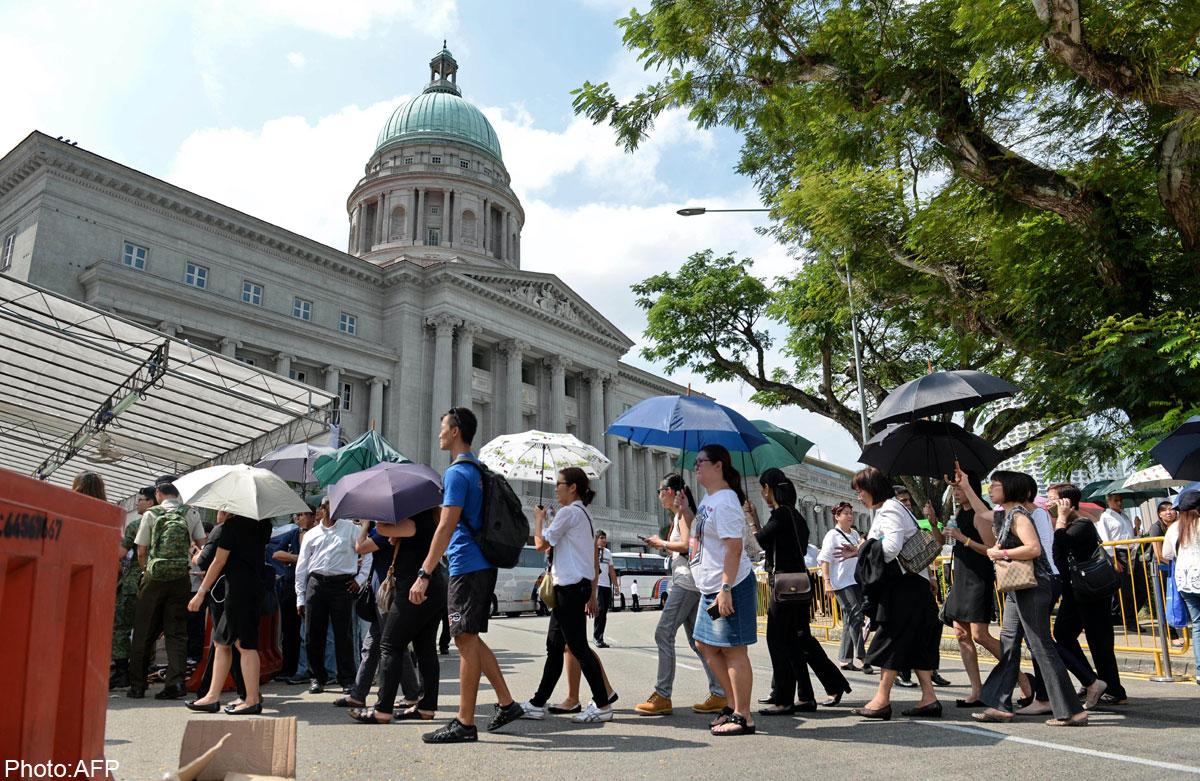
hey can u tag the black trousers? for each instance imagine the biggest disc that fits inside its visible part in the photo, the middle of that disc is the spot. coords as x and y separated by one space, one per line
568 629
793 651
215 611
600 623
161 609
289 626
417 624
330 603
637 605
1094 620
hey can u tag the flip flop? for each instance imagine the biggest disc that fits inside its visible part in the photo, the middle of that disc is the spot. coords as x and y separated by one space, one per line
1067 722
992 718
743 727
411 714
347 702
722 717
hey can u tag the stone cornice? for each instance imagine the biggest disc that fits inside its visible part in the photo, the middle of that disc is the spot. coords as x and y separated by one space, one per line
635 376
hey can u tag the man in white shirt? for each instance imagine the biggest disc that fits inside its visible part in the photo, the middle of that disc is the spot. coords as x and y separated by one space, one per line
604 588
328 576
633 593
1114 525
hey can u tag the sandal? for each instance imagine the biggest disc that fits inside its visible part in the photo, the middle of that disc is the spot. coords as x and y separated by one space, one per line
410 714
998 717
348 702
1071 722
742 727
365 716
721 718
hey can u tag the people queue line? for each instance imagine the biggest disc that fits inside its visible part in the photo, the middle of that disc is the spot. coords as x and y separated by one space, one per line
428 570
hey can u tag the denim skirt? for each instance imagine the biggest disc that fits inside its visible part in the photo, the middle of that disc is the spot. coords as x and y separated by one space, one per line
736 629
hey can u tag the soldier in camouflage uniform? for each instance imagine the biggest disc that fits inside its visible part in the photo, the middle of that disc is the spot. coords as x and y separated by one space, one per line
127 591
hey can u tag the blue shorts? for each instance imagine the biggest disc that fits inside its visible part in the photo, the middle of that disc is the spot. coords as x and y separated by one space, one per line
736 629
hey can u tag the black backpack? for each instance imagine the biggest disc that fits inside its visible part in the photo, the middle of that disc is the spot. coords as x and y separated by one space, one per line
504 530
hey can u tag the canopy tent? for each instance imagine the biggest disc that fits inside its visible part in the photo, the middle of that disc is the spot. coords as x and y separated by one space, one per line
81 388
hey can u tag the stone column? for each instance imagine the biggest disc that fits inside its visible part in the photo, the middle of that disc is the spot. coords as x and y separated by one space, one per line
514 349
486 224
596 379
424 207
363 246
353 243
333 378
558 393
375 407
417 215
449 227
229 346
443 328
613 444
386 199
466 350
283 363
169 328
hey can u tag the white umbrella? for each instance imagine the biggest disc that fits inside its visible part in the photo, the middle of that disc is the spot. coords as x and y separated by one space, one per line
1152 479
241 490
539 456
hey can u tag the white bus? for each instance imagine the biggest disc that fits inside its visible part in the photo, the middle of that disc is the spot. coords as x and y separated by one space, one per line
516 588
652 573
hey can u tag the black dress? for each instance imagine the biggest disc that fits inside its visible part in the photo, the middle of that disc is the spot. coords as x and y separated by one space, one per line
246 540
971 597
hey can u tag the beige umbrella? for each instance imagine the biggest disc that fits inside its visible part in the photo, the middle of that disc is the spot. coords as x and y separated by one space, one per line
240 489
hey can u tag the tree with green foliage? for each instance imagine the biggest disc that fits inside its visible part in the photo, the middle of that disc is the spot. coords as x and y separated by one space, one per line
1015 186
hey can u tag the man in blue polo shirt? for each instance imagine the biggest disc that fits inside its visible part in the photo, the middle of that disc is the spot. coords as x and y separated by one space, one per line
472 582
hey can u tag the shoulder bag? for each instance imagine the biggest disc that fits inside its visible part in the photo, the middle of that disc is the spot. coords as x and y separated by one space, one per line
792 586
387 589
1011 574
919 550
1094 578
546 587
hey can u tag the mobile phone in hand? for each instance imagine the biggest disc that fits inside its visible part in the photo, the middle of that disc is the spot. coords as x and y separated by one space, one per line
643 539
714 611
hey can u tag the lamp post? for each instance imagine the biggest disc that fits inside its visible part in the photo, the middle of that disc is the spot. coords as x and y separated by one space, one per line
693 211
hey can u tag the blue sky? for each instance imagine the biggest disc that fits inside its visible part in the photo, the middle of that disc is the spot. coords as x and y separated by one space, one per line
273 106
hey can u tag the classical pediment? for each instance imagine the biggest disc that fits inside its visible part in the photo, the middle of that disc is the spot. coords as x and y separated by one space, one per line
546 296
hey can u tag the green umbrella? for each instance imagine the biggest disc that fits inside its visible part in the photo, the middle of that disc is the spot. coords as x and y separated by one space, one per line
1101 489
1089 490
792 442
755 462
363 453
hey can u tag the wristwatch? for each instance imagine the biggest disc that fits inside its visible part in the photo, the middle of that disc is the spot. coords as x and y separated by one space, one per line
726 587
423 575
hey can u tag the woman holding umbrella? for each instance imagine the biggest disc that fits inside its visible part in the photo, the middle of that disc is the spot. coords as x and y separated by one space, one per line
240 557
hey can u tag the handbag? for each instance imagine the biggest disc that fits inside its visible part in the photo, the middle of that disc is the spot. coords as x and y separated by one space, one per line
919 550
792 586
364 605
1011 574
387 589
546 589
1177 611
1095 578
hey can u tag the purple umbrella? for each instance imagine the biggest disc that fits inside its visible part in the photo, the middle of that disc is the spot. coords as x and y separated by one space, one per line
386 493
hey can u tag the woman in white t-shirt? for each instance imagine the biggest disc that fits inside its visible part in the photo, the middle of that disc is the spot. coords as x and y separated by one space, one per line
719 565
838 575
1182 545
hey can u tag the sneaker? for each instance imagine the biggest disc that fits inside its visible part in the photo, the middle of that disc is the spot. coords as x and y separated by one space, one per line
592 715
938 680
454 732
505 715
532 711
657 705
713 704
601 644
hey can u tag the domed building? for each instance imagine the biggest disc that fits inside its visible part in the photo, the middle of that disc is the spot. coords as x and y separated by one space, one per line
436 181
428 308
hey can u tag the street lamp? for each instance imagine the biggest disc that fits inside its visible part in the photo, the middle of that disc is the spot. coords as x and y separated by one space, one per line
692 211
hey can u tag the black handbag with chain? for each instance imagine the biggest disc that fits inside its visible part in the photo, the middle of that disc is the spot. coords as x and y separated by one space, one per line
792 586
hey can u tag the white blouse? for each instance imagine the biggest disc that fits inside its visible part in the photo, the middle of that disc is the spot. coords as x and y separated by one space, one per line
893 524
1187 558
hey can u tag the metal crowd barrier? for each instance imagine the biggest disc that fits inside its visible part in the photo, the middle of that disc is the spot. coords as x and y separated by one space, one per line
1139 623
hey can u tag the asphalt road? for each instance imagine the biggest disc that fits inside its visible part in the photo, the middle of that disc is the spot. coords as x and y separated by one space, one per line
1150 737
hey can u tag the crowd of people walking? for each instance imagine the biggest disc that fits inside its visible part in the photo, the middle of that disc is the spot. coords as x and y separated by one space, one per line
428 574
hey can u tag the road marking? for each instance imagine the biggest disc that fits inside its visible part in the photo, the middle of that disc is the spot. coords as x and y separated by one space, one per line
1063 747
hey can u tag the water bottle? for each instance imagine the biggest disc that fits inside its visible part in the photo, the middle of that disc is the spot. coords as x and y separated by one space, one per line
953 523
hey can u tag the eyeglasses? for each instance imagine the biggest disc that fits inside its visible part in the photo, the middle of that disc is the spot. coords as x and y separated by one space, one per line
704 461
558 484
662 488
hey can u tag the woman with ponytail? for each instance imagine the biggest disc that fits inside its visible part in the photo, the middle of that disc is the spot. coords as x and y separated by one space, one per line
723 574
792 647
575 570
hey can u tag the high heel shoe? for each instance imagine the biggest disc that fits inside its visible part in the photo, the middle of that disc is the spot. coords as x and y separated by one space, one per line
883 714
834 700
211 707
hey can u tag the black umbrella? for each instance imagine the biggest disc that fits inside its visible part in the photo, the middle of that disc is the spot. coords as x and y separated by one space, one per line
925 448
940 392
1179 453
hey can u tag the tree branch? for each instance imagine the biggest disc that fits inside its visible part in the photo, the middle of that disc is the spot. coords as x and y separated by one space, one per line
1179 179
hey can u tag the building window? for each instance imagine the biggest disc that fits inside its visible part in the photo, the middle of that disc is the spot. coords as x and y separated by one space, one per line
479 361
302 309
298 376
134 256
435 210
436 159
247 361
468 224
6 256
196 276
347 396
252 293
569 387
408 161
348 324
435 237
463 164
528 373
487 171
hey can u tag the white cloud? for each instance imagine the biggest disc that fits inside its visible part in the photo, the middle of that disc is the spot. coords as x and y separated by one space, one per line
296 60
344 19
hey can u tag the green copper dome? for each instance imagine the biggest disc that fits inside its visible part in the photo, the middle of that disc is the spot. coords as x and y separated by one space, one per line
437 115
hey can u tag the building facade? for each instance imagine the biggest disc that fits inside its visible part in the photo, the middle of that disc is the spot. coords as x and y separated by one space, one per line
427 309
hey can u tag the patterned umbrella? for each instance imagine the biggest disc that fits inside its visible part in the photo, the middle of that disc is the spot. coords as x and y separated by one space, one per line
1155 478
538 456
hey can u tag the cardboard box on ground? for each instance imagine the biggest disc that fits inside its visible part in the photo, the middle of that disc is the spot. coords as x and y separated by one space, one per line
237 750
